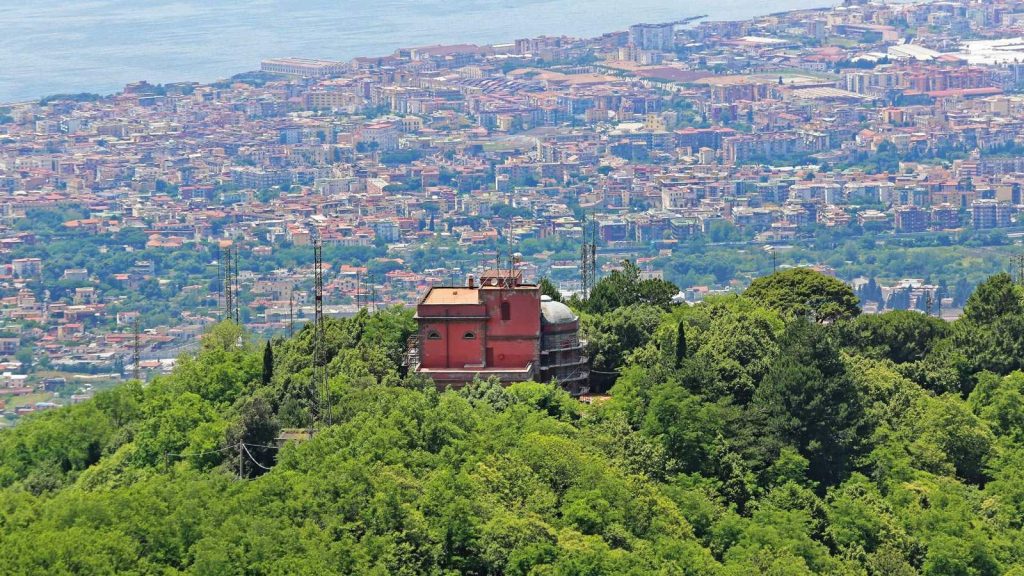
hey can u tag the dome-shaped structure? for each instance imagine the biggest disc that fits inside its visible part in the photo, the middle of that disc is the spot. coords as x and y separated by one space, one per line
552 312
561 351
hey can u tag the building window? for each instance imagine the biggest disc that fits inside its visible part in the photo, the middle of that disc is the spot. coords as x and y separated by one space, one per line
433 335
469 336
506 311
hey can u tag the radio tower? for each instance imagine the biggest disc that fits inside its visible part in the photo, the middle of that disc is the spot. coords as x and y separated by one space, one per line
588 259
321 400
237 292
220 275
359 287
373 295
136 352
229 300
291 313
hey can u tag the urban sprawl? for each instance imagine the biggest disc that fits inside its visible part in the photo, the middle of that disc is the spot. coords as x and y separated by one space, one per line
126 220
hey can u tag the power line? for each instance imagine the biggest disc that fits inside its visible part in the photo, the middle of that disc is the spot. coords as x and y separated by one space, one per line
253 458
217 451
261 446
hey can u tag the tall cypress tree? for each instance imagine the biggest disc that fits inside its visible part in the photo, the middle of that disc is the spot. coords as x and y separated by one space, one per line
681 343
268 363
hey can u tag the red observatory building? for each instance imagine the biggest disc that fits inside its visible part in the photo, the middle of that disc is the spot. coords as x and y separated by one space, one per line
502 328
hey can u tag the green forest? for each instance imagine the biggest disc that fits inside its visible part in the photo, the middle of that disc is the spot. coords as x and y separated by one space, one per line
778 431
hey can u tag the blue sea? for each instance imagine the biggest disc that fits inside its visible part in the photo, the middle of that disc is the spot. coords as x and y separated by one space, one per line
55 46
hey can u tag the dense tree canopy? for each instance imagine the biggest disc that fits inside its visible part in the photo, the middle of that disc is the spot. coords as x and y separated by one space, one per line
802 291
625 287
740 437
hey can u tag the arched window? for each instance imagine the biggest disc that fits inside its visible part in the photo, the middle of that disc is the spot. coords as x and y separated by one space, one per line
469 336
506 311
433 335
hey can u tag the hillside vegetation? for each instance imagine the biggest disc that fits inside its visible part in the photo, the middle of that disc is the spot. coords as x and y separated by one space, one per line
775 432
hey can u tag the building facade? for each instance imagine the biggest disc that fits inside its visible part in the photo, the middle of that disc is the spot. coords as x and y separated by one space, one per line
500 328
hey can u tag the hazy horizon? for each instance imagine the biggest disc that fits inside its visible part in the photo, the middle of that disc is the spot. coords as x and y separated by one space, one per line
100 45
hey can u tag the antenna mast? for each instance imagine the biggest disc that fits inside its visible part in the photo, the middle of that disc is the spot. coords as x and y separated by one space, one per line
220 276
229 300
373 295
588 258
321 400
291 312
136 352
237 292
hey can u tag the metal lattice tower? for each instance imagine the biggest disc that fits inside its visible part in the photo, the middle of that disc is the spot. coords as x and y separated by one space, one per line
220 276
373 295
321 401
136 351
588 258
291 313
1018 261
359 288
236 291
229 300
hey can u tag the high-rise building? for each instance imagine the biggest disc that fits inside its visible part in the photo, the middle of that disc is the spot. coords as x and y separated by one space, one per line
911 219
659 37
945 217
987 213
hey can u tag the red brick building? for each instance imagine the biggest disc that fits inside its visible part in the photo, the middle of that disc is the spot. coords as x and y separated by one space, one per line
495 329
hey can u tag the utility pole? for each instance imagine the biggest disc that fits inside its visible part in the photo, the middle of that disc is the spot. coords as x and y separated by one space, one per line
240 461
1019 265
775 261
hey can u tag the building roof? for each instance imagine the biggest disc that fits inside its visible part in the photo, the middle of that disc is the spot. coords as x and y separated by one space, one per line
552 312
448 295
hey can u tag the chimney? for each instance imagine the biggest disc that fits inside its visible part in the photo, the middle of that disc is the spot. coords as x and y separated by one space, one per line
470 283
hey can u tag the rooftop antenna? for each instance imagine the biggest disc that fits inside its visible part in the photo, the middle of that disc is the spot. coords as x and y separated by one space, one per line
136 351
